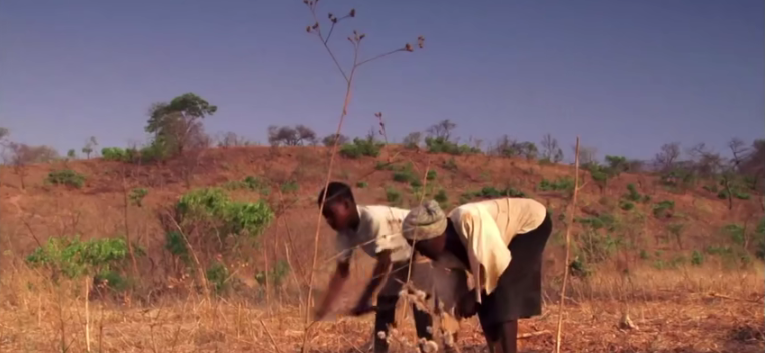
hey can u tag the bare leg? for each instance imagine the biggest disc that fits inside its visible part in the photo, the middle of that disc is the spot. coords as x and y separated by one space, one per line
503 337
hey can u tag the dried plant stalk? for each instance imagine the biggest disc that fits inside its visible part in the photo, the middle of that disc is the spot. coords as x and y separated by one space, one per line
568 248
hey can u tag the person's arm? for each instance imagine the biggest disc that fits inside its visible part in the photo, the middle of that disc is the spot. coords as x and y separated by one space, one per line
333 289
379 275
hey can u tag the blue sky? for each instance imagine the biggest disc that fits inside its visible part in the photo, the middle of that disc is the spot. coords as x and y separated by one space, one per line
626 76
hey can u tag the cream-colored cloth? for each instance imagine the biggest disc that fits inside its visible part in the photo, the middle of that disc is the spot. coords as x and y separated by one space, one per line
487 228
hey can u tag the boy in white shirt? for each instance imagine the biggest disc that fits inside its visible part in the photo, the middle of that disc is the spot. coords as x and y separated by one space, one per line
377 231
482 238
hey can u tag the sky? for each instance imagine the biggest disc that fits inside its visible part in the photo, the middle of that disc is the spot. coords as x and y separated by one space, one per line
625 76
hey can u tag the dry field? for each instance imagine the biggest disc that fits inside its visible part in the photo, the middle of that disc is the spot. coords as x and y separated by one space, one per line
699 306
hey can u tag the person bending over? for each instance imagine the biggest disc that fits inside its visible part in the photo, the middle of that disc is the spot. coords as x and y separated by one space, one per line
500 242
377 231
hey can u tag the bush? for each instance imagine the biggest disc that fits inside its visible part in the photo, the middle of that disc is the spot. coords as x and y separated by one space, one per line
561 184
664 209
632 193
361 184
225 219
249 183
442 145
626 205
114 154
275 275
492 192
432 175
441 196
392 195
71 257
361 147
137 195
66 177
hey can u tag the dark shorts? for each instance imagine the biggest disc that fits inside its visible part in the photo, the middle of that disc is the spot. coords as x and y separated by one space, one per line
519 290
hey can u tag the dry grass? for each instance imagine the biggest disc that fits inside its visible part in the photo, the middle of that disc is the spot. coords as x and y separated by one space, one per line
697 310
674 310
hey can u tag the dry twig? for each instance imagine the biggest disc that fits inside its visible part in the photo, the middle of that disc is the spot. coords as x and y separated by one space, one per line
568 248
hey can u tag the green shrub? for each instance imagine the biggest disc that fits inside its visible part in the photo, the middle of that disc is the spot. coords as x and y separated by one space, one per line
137 195
289 187
561 184
697 258
664 209
450 164
416 183
361 184
432 175
249 183
492 192
632 193
441 197
72 257
276 275
66 177
392 195
217 275
114 154
213 208
626 205
442 145
361 147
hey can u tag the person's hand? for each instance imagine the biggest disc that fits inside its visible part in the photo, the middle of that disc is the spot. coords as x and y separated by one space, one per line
361 309
466 306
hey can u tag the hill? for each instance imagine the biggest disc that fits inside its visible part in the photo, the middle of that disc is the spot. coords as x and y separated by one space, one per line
638 237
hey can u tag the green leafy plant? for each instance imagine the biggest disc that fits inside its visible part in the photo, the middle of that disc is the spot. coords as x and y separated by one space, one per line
561 184
276 275
212 208
361 147
72 257
664 209
66 177
392 195
136 196
432 175
361 184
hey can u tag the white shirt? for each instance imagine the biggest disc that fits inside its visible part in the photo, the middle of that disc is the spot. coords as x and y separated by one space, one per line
379 230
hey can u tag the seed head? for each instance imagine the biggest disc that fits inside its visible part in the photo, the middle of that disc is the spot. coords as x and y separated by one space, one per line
308 29
408 47
420 41
352 13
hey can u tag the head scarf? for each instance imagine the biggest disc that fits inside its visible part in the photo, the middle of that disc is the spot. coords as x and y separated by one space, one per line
424 222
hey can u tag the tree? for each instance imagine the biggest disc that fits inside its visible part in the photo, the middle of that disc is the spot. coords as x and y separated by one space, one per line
413 140
23 155
587 155
71 154
528 150
231 139
667 157
505 147
442 130
738 149
617 164
329 140
305 135
89 145
177 125
551 150
706 162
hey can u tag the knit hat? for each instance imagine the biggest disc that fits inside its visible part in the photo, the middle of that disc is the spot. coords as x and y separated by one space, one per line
424 222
